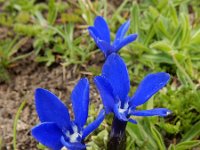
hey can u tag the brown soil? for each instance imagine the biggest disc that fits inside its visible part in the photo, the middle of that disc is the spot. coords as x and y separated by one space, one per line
25 78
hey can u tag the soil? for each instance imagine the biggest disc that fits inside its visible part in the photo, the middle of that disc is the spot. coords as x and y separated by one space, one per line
26 76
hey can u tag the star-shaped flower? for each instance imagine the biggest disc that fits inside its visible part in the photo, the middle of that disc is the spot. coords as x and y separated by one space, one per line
101 35
56 130
114 86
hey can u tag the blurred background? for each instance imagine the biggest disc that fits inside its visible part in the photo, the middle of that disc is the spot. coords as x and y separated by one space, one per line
45 43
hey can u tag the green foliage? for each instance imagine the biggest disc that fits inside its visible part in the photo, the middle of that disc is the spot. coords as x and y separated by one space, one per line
7 49
8 54
192 133
99 141
168 35
185 105
52 42
185 145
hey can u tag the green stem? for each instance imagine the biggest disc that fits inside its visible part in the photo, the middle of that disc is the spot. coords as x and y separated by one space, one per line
15 124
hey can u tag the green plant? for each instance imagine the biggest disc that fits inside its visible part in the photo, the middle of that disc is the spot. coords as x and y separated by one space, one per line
21 107
9 54
168 36
185 105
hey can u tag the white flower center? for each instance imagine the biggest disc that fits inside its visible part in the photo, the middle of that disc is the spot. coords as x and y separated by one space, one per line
122 109
73 137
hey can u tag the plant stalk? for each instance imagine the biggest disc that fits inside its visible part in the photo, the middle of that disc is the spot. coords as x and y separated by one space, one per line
117 140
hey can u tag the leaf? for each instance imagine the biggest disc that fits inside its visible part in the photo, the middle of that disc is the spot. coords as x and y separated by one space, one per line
192 133
182 78
70 17
118 10
49 58
187 145
173 14
17 46
161 29
150 34
189 66
159 58
154 12
185 37
161 45
176 36
162 4
99 141
140 47
141 135
158 138
171 147
171 128
28 30
135 18
196 38
52 14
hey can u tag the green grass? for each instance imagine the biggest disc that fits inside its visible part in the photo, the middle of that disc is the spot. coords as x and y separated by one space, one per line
169 40
0 142
21 107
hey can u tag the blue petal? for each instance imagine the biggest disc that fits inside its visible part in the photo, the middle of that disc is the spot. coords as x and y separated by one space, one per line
125 41
121 32
101 25
107 48
132 121
73 146
92 126
120 116
80 102
106 93
95 35
151 84
152 112
116 72
48 134
51 109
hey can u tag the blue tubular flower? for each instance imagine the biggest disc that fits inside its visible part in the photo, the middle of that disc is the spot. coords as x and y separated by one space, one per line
114 86
56 129
101 35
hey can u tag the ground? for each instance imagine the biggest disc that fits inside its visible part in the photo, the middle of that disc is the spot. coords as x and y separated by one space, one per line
24 79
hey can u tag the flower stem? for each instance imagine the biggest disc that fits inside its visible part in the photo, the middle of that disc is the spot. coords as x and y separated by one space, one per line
82 142
117 140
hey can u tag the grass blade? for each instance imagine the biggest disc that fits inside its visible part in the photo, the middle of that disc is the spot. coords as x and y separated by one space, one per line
15 124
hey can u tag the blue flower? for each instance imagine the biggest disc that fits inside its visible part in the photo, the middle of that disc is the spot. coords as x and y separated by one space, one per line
56 129
114 86
101 35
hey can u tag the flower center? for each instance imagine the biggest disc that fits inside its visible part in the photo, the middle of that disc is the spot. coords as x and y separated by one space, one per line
123 108
75 136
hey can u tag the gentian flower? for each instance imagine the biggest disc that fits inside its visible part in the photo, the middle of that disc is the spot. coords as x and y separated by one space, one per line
114 86
56 130
101 35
